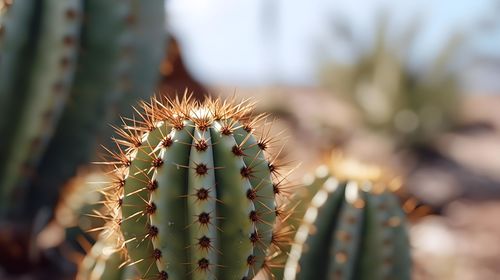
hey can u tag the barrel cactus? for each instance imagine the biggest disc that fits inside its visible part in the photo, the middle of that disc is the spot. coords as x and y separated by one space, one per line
352 229
66 68
198 190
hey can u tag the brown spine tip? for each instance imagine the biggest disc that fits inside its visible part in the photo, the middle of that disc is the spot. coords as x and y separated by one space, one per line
156 254
152 185
167 142
204 218
126 162
262 145
254 217
251 194
152 231
246 172
177 123
203 125
251 260
248 128
254 237
203 264
204 242
237 150
202 194
276 188
120 183
150 208
163 275
201 145
271 167
226 130
157 162
201 169
278 211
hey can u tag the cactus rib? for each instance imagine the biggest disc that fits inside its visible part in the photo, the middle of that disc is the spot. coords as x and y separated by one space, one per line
196 198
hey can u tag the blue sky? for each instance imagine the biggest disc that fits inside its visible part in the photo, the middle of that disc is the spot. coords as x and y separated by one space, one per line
256 42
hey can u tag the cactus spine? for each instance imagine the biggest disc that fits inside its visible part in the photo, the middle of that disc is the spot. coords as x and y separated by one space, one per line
351 230
62 79
196 193
105 261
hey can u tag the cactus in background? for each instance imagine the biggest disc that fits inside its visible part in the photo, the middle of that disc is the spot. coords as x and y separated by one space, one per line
66 69
76 215
411 108
42 87
198 193
352 229
105 261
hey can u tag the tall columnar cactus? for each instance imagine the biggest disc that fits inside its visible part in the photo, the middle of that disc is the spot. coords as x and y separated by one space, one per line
66 69
198 192
351 230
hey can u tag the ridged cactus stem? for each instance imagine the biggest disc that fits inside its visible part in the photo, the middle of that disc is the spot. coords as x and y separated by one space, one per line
47 89
196 191
351 230
122 45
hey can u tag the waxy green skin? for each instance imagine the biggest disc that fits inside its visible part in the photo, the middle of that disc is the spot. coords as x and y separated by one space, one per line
365 238
67 70
44 88
192 181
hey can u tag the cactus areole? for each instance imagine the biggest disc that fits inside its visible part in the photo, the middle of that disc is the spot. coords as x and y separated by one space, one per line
195 189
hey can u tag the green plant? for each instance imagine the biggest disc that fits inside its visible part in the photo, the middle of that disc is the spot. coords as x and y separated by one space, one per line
392 98
66 69
105 261
194 184
352 229
76 218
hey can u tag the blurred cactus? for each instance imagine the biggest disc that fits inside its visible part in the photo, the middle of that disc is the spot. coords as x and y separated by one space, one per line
76 214
352 228
410 107
194 185
66 69
106 261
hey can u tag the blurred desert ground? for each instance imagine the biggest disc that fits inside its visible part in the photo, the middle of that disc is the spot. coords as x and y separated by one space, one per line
275 52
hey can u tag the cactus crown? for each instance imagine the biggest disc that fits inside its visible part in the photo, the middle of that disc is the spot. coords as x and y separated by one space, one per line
197 193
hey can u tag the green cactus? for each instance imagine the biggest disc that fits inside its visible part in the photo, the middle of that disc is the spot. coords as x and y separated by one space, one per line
122 48
77 213
351 230
66 69
43 89
106 261
196 192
